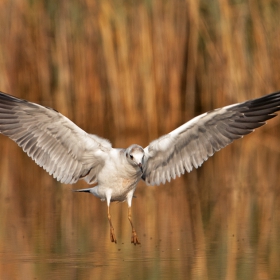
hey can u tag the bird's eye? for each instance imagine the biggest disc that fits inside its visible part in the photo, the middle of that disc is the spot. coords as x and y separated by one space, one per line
131 156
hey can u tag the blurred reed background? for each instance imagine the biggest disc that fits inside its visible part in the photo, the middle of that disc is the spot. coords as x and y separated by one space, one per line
131 71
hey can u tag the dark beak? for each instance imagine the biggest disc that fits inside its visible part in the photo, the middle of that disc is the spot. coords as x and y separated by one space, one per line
141 167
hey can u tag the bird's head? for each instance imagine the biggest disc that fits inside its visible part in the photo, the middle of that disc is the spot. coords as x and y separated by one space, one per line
135 156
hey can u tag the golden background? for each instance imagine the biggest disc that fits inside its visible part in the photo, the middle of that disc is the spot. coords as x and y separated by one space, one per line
131 71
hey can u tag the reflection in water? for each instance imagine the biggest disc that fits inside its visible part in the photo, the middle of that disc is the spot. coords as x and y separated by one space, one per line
189 229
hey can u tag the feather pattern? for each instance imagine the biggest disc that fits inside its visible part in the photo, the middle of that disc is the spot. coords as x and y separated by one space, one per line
195 141
52 140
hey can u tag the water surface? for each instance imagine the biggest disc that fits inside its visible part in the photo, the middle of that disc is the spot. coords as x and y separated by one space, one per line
186 232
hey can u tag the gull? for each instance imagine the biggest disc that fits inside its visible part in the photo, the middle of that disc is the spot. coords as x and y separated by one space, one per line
69 154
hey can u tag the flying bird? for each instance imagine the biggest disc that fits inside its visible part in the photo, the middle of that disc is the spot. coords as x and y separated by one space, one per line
69 154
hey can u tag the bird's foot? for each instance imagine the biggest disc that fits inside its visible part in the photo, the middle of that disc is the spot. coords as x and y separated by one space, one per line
134 238
112 235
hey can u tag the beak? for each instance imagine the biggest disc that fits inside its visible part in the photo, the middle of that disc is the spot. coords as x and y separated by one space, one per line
141 167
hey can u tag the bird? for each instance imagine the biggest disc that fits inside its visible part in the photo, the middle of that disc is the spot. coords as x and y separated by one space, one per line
69 154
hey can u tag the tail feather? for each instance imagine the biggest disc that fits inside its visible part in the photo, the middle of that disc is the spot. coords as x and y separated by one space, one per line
93 191
83 190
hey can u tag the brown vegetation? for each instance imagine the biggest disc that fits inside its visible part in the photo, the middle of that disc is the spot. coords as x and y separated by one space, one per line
131 71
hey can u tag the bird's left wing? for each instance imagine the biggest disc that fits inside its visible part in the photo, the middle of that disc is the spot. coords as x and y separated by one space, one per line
53 141
195 141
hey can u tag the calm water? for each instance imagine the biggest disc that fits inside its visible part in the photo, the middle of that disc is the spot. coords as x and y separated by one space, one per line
58 234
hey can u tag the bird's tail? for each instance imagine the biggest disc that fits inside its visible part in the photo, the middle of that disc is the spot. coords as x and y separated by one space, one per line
83 190
93 191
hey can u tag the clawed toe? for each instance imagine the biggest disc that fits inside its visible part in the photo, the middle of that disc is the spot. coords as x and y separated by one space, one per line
112 235
134 238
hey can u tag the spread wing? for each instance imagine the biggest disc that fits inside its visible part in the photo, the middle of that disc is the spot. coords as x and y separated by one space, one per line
195 141
53 141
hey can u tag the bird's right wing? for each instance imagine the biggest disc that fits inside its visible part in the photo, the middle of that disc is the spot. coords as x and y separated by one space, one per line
54 142
194 142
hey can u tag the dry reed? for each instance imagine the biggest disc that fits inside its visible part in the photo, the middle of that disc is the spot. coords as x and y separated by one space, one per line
131 71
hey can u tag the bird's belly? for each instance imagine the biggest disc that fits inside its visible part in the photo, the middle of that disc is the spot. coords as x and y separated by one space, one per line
118 187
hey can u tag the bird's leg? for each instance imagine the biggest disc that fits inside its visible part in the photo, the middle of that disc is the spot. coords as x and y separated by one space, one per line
134 238
112 234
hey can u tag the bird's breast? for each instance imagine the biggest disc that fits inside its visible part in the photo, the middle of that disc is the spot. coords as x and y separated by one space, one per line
121 187
119 182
